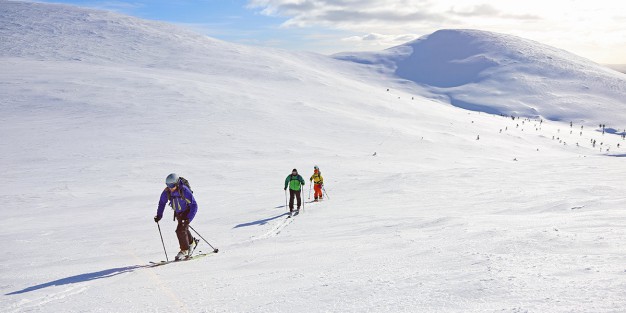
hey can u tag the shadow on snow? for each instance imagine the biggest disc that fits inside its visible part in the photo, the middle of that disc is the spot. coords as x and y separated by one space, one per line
80 278
261 222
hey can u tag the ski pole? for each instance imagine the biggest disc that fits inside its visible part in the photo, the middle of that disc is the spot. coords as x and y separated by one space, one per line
286 206
302 193
214 249
324 189
160 234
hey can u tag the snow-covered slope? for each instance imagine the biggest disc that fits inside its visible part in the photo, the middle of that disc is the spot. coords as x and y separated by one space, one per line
504 74
97 108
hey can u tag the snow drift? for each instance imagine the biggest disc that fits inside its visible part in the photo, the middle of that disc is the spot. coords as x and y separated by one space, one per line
504 74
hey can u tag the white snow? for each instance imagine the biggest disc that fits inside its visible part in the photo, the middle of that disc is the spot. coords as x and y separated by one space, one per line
504 74
97 108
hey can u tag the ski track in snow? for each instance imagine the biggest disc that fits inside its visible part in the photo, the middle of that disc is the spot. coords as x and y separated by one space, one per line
27 305
276 229
279 226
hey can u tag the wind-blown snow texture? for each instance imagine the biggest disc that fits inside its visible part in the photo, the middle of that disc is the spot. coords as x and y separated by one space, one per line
97 108
504 74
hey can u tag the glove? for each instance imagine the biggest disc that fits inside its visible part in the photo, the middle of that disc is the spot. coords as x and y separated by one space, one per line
285 188
157 219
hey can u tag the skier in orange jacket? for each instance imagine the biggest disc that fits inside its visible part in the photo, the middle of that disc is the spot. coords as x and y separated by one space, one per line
318 183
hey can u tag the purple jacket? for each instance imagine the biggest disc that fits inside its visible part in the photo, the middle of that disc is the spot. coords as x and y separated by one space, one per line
182 209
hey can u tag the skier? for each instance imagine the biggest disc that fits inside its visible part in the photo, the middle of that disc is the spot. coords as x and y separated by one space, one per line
295 183
185 207
318 183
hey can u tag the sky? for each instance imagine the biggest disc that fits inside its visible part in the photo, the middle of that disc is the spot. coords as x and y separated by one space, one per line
590 28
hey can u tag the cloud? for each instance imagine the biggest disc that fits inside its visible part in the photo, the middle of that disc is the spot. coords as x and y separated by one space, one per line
486 10
567 24
382 39
346 14
353 14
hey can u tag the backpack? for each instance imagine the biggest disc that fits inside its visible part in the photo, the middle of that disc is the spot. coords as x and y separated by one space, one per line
182 180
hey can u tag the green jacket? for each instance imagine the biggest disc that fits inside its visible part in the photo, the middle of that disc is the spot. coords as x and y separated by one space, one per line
294 182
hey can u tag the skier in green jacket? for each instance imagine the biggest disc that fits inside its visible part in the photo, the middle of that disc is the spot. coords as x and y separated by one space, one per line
295 183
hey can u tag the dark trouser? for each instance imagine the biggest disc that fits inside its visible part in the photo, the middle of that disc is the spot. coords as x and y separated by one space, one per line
295 193
183 234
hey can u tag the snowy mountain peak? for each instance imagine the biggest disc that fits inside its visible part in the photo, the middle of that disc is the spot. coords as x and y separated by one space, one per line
505 74
450 58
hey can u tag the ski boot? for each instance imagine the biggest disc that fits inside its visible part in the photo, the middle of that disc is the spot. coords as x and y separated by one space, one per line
183 254
193 245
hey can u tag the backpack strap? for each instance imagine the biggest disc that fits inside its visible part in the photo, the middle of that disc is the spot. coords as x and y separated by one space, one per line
181 191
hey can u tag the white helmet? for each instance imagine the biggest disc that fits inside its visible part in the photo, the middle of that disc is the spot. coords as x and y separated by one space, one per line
171 180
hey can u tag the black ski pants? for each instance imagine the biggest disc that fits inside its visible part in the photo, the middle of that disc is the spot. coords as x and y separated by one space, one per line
295 193
183 234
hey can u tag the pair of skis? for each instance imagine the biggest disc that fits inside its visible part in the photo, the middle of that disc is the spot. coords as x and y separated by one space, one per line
296 212
189 258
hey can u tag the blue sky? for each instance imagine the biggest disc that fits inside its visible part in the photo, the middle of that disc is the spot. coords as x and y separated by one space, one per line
590 28
229 20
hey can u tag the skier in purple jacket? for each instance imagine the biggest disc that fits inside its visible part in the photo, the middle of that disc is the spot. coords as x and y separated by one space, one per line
185 207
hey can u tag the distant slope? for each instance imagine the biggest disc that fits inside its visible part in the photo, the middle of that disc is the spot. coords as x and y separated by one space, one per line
618 67
66 33
57 32
499 73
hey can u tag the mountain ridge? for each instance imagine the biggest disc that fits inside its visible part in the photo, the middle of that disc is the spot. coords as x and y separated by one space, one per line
477 69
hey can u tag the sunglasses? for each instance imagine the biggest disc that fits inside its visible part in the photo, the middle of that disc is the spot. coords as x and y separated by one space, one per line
171 185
